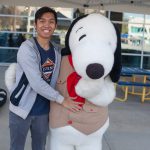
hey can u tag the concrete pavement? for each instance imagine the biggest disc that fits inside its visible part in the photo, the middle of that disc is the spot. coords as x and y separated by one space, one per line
129 124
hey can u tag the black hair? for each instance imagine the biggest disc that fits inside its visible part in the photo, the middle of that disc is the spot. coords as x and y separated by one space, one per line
44 10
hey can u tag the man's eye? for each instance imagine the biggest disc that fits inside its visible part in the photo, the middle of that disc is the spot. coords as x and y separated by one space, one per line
81 37
41 21
52 22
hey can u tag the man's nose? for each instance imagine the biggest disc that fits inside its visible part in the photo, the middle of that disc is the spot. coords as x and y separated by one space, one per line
47 24
95 71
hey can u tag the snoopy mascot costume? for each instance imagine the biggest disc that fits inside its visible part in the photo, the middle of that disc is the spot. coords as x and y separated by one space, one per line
91 63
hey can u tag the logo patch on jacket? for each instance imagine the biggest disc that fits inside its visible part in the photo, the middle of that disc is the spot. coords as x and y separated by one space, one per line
47 69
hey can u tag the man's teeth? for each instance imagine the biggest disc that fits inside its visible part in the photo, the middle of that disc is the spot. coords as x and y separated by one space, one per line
46 31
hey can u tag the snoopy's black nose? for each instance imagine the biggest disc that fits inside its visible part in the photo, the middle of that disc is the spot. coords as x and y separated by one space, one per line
95 71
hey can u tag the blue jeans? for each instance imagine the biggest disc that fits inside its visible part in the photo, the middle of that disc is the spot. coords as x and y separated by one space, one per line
19 128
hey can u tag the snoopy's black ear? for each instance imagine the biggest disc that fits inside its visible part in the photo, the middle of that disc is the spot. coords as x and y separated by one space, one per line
67 50
117 66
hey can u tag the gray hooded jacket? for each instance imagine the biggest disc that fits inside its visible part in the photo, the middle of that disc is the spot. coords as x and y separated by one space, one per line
28 79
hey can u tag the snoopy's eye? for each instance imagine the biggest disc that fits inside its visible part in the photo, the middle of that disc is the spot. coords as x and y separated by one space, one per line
81 37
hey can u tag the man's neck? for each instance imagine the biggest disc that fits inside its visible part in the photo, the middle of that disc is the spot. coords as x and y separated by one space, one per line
44 43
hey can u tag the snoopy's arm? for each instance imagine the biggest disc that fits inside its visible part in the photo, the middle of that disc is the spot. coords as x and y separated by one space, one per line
88 88
10 76
106 94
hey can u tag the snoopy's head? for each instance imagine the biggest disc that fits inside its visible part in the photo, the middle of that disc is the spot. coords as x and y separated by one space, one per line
93 42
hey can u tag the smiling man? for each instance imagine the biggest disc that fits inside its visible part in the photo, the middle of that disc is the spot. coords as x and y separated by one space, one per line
38 63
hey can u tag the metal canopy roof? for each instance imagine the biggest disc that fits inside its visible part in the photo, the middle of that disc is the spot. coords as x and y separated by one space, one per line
137 6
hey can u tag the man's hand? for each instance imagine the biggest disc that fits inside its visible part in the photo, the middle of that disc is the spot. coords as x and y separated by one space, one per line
71 105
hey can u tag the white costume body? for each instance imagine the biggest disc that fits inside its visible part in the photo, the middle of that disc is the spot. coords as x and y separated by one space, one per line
68 138
98 46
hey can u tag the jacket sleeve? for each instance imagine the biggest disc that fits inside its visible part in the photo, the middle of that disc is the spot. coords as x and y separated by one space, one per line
28 60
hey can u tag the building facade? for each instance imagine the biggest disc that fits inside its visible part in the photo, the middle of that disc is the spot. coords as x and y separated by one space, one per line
17 24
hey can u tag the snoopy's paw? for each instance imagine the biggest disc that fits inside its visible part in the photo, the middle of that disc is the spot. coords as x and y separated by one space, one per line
102 100
105 96
83 91
87 89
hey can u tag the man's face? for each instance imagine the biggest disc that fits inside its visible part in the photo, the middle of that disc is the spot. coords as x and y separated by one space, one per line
46 25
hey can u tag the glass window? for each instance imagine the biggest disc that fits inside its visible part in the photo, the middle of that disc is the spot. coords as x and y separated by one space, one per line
146 40
130 42
116 16
133 18
4 38
7 23
4 9
56 39
17 24
17 10
147 19
8 55
131 61
124 35
21 24
63 24
25 11
14 23
146 62
13 39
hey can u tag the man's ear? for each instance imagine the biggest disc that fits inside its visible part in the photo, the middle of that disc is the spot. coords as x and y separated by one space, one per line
117 66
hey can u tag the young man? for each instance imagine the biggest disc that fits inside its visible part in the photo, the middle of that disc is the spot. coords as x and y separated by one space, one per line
38 62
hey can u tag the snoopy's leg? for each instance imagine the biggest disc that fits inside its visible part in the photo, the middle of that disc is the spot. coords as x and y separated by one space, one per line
95 144
62 138
93 141
56 144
